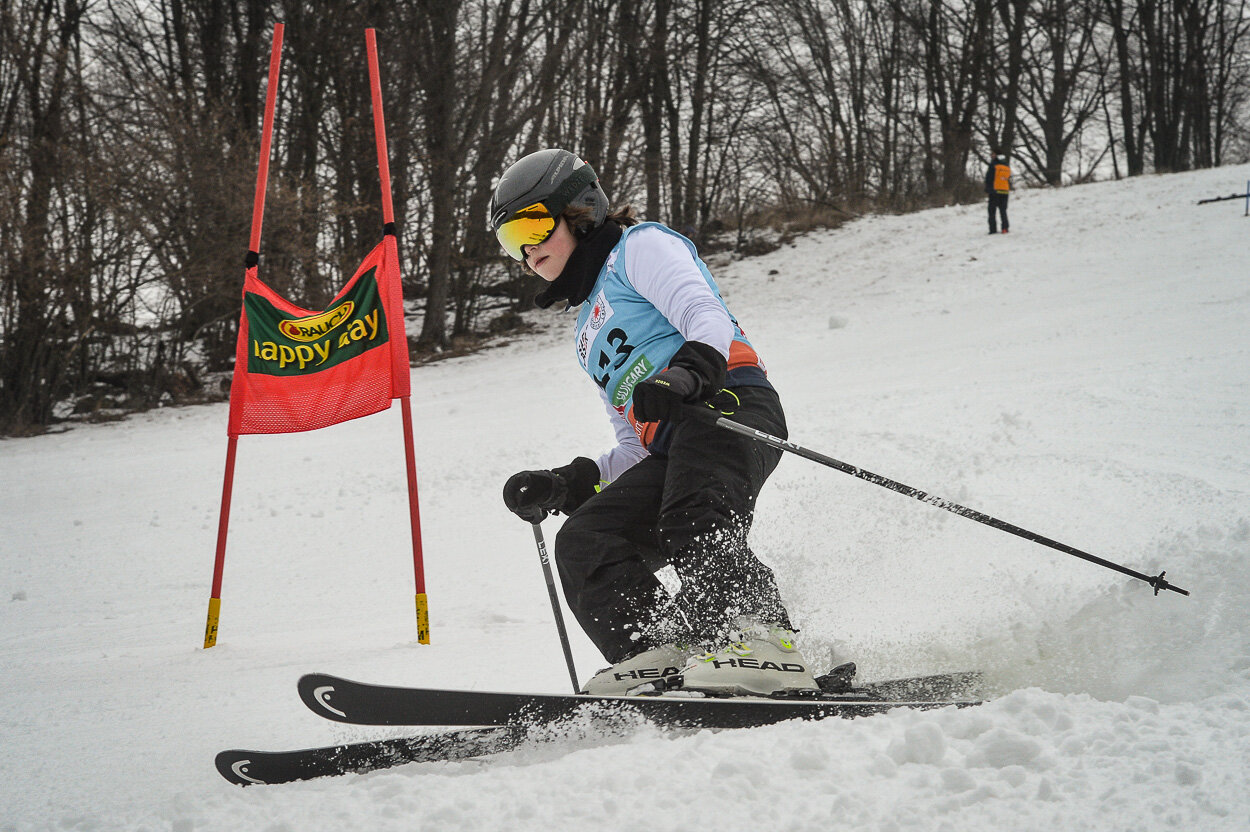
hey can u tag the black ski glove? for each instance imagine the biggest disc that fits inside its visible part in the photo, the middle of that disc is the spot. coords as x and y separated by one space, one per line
530 495
696 372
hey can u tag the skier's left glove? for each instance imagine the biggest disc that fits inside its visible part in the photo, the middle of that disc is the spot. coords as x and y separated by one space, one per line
696 372
530 495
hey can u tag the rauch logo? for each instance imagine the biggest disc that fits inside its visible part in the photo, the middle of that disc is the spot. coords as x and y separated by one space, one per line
317 326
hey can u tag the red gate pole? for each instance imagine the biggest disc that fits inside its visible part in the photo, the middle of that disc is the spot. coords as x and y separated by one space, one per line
410 459
253 255
223 525
423 610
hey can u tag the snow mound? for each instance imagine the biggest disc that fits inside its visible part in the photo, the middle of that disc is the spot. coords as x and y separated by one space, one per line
1083 377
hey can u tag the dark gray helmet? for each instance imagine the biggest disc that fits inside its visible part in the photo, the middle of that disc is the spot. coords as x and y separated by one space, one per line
553 179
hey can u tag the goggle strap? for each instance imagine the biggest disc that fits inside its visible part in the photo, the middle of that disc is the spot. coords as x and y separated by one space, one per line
569 188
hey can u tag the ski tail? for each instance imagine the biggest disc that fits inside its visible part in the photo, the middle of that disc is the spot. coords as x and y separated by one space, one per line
953 686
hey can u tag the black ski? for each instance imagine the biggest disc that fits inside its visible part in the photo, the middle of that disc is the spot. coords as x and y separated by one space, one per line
515 719
943 686
343 700
246 768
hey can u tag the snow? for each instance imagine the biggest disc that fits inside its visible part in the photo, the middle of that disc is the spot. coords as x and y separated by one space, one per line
1084 377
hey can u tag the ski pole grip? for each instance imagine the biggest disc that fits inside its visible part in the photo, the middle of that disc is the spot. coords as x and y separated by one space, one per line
701 412
724 403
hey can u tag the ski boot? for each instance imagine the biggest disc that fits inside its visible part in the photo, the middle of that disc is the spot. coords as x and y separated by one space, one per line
644 673
759 660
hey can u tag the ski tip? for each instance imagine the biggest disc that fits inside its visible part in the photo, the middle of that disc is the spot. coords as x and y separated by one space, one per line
234 765
317 690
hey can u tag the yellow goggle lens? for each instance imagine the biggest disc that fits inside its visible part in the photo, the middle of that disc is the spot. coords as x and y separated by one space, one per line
527 227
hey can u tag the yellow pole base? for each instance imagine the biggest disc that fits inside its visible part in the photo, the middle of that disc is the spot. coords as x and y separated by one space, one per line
423 619
210 629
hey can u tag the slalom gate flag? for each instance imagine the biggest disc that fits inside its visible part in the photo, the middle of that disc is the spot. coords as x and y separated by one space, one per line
298 369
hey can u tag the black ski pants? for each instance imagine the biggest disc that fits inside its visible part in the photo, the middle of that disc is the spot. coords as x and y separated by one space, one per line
691 508
998 203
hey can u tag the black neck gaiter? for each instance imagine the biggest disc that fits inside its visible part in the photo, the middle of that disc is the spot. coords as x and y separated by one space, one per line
580 273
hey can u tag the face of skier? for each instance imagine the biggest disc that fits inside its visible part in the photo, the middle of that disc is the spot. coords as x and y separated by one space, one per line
548 258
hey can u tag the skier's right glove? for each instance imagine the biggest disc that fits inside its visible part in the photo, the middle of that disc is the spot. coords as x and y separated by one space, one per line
530 495
695 372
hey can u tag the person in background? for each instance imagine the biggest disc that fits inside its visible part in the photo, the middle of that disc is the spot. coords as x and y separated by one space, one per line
657 339
998 188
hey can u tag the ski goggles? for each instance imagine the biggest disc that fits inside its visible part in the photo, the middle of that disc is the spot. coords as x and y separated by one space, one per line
527 227
534 223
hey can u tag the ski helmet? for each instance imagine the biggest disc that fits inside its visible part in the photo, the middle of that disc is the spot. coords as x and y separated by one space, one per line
534 190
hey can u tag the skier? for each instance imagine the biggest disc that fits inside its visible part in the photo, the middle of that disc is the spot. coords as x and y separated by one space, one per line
654 334
997 188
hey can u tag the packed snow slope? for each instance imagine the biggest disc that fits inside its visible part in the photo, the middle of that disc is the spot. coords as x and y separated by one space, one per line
1085 377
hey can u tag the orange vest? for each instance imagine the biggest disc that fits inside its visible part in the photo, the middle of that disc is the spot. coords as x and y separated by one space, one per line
1002 179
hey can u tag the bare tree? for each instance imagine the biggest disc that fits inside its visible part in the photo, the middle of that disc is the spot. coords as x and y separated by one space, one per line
1060 92
657 94
40 39
956 44
1012 16
1230 73
186 159
797 63
128 142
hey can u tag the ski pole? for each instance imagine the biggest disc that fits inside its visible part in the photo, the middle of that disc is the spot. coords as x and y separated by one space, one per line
704 413
555 603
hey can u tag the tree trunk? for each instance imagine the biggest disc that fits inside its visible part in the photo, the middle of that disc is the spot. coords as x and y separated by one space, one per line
32 352
654 110
1013 14
438 42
